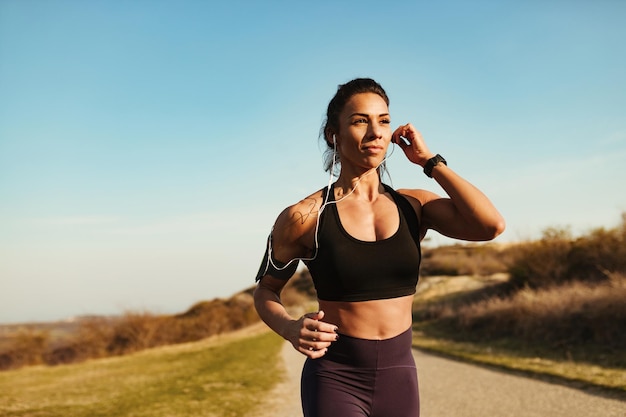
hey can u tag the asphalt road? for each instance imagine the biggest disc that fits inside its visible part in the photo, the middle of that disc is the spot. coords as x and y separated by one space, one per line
450 388
454 389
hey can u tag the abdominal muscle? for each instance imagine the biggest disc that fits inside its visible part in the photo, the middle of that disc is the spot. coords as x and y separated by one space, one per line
373 320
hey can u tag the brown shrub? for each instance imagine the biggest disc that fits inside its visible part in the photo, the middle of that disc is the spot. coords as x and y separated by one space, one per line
133 332
558 258
571 314
27 348
208 318
93 336
471 259
595 256
543 262
100 337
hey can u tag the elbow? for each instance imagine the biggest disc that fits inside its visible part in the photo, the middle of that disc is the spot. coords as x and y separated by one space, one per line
259 296
256 298
262 293
495 228
488 229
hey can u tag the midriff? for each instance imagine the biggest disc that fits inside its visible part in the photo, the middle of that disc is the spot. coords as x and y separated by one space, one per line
373 320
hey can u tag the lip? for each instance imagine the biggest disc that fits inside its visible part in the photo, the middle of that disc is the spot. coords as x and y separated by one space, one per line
373 149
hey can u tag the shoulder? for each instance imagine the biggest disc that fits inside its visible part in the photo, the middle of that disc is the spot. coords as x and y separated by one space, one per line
295 225
421 200
436 212
301 213
417 197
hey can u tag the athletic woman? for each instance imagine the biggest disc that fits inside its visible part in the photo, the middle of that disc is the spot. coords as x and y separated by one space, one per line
360 240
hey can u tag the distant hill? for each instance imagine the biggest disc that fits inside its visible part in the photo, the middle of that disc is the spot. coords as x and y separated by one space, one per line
89 337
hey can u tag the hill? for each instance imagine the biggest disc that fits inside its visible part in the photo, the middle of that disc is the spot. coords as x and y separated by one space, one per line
90 337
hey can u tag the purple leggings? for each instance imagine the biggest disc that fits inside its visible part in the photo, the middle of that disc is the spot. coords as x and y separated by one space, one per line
359 377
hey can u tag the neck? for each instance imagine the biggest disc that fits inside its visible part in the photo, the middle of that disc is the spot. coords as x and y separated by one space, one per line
367 185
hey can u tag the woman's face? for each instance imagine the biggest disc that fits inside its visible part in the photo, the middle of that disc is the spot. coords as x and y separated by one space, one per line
364 131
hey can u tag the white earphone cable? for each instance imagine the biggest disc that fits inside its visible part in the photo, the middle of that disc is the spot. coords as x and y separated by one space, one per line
321 209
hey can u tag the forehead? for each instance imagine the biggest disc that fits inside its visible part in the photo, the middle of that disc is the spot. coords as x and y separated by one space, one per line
365 103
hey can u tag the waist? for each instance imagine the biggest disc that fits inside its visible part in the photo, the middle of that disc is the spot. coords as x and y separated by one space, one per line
372 354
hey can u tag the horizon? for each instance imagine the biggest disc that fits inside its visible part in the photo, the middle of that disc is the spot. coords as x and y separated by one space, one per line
145 151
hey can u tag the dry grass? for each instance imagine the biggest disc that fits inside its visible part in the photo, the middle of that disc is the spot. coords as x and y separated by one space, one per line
563 292
558 257
470 259
573 332
561 313
570 314
228 375
99 337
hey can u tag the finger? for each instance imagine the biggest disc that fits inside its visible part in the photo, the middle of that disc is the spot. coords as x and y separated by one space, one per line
322 337
313 316
317 315
313 322
312 352
403 136
310 325
307 345
319 327
395 137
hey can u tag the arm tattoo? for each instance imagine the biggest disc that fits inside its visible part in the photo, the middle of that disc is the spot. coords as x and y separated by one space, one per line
302 216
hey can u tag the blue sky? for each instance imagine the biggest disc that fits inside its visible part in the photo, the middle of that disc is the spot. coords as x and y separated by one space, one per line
146 147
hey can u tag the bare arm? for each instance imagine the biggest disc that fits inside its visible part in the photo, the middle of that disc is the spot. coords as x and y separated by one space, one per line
467 214
308 334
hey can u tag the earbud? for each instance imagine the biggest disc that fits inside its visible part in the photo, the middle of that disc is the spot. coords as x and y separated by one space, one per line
334 140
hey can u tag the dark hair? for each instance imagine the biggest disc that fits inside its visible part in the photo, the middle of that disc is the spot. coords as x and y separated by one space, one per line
336 105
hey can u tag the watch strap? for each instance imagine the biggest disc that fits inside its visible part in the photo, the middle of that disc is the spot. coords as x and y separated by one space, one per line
432 163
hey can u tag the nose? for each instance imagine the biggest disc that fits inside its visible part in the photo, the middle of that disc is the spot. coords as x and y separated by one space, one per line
375 131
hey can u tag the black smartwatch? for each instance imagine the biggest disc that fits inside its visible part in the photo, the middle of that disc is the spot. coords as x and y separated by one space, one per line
432 162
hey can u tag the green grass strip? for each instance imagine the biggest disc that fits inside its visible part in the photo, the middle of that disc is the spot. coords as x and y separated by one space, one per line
198 379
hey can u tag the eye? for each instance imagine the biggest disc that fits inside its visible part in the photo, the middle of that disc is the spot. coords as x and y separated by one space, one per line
385 121
359 121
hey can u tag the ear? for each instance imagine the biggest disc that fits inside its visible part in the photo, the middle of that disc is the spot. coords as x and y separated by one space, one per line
330 137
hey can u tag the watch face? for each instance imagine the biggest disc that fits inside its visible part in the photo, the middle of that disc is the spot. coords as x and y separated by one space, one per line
432 162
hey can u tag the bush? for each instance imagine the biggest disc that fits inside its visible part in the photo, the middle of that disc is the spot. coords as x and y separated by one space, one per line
100 337
596 256
27 348
558 258
568 315
541 263
563 293
454 260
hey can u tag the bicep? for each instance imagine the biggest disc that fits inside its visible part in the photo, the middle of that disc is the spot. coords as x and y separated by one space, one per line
441 215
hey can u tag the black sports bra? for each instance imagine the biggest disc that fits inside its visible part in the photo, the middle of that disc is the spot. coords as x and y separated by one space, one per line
348 269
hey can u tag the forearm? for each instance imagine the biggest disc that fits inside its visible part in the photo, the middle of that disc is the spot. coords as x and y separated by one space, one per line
271 310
